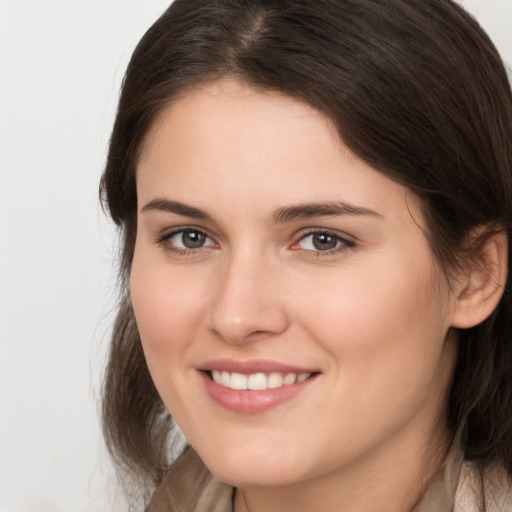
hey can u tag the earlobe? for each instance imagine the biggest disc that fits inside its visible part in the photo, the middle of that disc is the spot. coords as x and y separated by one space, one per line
483 283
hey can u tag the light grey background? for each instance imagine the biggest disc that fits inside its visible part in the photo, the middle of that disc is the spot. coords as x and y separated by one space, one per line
61 64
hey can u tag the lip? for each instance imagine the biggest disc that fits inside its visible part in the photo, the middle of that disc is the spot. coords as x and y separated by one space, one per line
248 401
253 366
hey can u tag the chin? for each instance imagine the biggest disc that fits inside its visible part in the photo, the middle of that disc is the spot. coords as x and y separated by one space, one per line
265 470
245 477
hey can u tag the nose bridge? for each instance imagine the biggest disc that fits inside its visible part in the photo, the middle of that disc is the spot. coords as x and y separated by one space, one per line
247 300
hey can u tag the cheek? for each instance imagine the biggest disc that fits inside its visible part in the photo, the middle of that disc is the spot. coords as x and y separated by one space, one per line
383 328
385 338
168 309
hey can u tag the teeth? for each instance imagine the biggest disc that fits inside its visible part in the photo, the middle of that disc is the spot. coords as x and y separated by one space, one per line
303 376
291 378
225 379
274 380
257 381
238 381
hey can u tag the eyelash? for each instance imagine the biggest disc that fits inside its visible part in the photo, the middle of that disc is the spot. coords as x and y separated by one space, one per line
342 243
164 241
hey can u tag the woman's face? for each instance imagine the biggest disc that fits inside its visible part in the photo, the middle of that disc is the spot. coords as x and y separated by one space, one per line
269 256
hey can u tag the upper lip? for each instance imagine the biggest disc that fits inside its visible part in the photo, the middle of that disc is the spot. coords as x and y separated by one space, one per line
252 366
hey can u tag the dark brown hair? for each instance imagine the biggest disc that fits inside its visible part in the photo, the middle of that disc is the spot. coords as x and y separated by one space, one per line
415 88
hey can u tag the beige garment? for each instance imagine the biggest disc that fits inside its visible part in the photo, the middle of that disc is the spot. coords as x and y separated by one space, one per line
190 487
457 487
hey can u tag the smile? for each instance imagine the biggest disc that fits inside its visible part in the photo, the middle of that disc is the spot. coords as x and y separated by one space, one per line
253 387
257 381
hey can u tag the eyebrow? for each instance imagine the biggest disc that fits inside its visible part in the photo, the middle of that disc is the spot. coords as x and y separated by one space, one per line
314 210
166 205
281 216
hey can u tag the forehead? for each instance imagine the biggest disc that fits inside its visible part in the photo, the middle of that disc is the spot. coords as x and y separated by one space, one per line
228 105
227 139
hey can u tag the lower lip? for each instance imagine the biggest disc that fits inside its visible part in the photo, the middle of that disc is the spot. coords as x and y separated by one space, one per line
252 402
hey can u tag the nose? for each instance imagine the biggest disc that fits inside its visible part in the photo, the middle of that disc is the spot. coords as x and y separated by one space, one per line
247 304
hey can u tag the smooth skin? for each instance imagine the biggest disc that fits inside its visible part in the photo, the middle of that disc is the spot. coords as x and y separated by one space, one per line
355 295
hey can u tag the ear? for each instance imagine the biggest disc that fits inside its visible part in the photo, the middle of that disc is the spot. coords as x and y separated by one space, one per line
482 283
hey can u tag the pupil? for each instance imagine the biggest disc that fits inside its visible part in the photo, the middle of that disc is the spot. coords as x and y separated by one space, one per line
193 239
324 242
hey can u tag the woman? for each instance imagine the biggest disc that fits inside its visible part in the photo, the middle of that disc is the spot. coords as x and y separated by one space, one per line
315 202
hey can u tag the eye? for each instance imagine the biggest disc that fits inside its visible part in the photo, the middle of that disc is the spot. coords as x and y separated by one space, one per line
323 241
188 239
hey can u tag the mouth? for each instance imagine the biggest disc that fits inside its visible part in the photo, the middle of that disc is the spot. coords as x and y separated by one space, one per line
254 387
258 381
